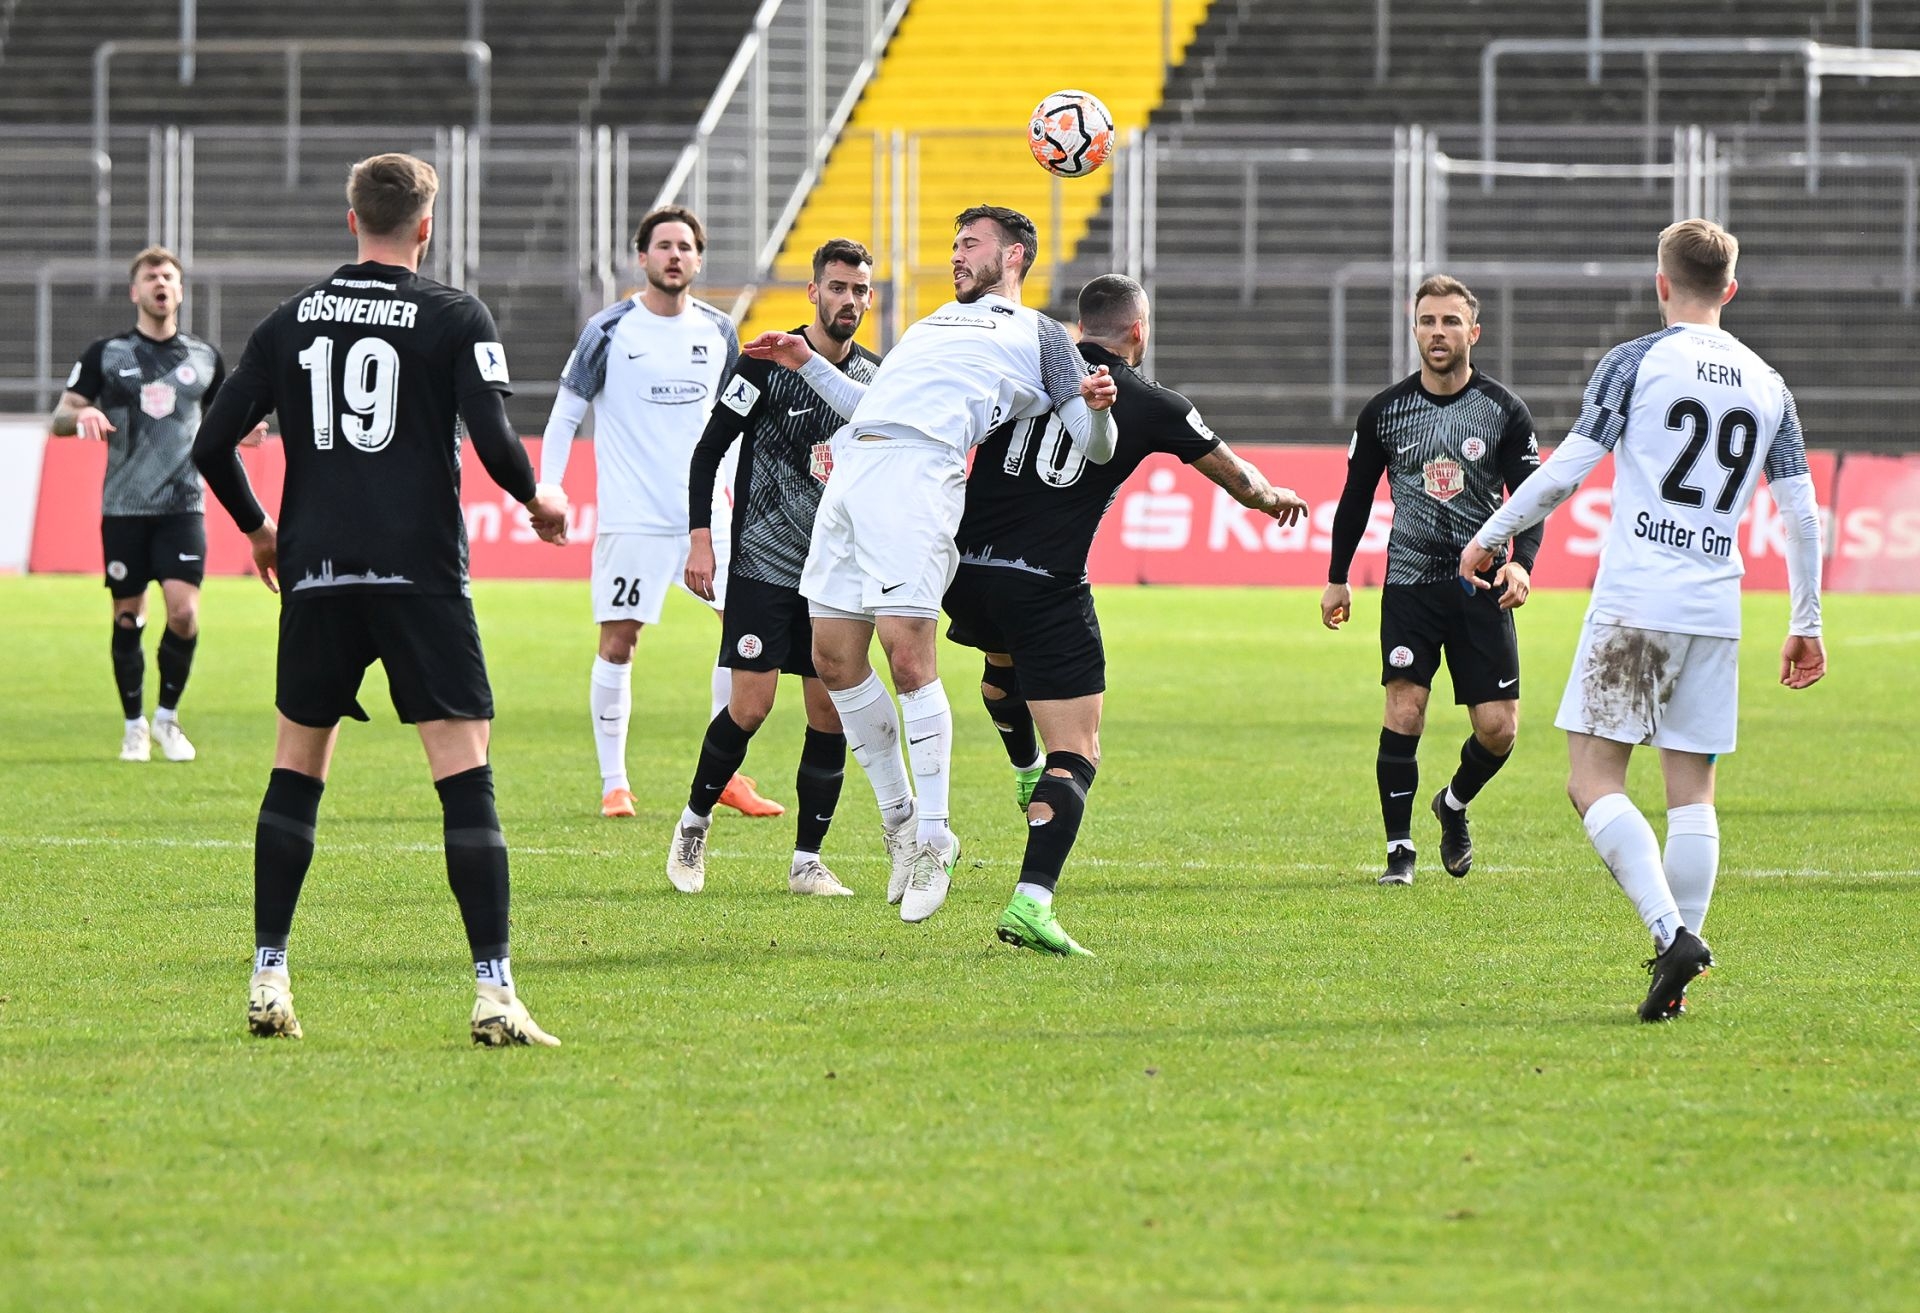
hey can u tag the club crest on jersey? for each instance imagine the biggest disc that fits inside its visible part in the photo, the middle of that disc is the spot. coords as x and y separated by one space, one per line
158 399
187 375
699 353
820 462
1473 448
1444 479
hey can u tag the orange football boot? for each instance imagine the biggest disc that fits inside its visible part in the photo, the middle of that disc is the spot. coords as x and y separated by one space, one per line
618 802
741 795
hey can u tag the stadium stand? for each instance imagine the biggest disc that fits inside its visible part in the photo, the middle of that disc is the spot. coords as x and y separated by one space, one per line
1260 362
967 114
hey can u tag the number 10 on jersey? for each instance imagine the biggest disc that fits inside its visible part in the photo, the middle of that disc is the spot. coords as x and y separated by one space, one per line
370 382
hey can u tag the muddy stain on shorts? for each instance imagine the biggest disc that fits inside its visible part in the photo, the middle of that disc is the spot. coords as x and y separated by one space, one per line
1630 678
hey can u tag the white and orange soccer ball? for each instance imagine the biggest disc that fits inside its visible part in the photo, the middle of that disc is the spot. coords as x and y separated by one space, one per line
1071 134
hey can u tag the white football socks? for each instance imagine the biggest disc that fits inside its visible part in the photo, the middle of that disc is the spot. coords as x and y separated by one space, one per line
612 700
1692 860
269 959
722 686
1626 843
693 820
872 727
495 971
929 724
1038 892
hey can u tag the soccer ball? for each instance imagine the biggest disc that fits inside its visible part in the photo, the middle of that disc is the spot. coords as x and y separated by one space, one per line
1071 134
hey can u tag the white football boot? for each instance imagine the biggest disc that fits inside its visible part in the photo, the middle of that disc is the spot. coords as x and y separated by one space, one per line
500 1020
900 844
687 859
814 878
138 743
172 739
270 1006
929 874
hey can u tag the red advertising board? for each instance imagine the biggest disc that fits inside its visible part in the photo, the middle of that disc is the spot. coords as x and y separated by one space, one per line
1168 526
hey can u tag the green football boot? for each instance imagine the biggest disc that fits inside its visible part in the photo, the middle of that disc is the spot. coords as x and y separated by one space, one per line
1028 924
1024 783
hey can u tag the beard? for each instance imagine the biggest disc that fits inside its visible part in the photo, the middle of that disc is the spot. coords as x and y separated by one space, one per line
984 279
838 329
664 281
1452 361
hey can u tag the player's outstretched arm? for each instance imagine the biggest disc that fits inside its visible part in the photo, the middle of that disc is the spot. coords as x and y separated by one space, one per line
1556 480
836 388
1247 485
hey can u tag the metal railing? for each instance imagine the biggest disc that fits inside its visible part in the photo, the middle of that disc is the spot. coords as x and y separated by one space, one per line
477 53
784 129
1818 60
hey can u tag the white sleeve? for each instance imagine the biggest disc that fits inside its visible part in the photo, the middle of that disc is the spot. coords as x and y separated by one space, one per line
1544 489
556 443
1095 431
834 386
1800 518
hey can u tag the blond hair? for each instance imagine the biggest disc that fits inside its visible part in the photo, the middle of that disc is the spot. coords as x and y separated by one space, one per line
389 192
1698 256
154 255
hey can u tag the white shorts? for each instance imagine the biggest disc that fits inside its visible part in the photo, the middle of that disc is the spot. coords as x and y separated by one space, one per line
883 538
633 571
1649 688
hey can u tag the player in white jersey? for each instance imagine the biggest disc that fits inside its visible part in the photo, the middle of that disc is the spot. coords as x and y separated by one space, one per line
651 367
882 553
1692 417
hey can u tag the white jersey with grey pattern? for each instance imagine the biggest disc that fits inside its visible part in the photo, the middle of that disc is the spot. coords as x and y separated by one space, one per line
652 380
1692 416
965 369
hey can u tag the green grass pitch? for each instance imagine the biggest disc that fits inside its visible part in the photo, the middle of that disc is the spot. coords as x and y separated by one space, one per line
1278 1086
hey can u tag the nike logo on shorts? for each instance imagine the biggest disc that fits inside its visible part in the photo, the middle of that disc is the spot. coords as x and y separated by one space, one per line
185 557
890 587
1509 683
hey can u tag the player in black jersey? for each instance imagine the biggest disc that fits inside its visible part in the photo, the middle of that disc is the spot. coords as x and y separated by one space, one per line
1034 502
1449 439
373 370
143 393
784 431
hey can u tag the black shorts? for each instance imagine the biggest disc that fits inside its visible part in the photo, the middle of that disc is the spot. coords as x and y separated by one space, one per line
1048 628
1417 621
138 549
766 628
429 646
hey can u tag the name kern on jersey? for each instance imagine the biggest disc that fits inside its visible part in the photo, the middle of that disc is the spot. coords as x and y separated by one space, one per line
1691 415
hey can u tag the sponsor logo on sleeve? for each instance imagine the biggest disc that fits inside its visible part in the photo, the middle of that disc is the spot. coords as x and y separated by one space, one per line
491 357
74 377
1200 426
739 396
